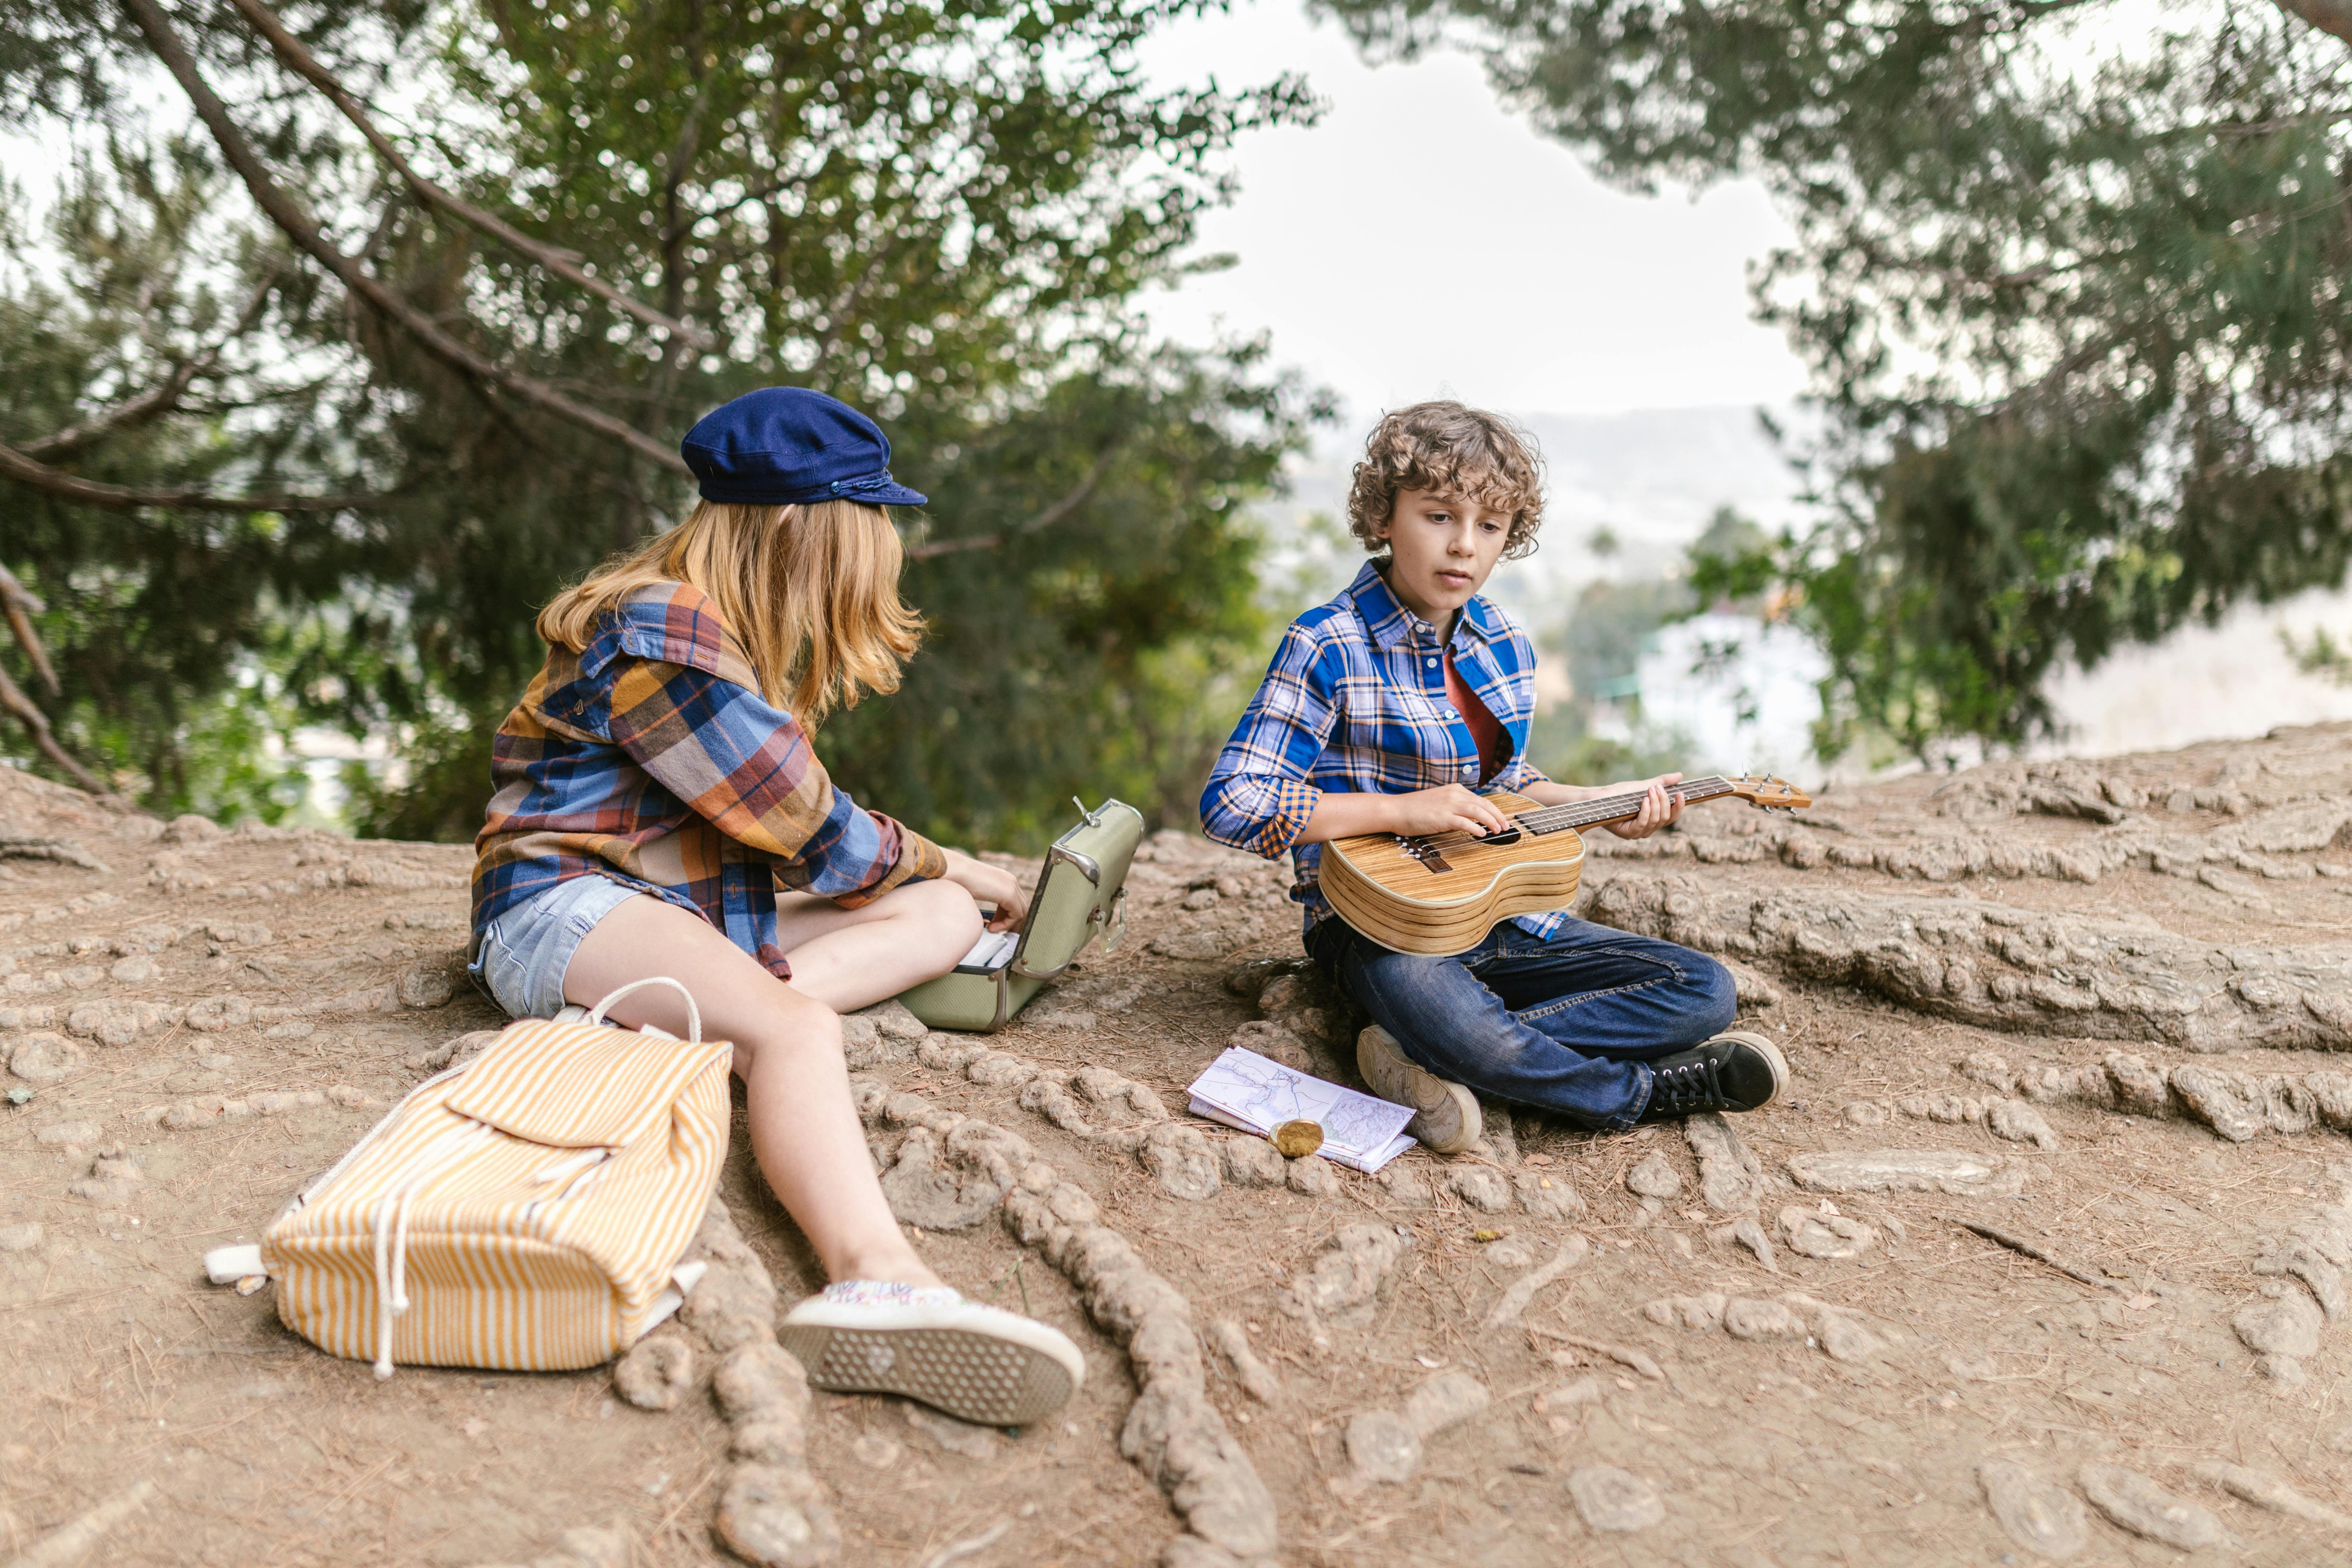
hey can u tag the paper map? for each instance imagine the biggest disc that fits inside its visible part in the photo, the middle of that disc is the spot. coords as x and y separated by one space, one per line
1243 1089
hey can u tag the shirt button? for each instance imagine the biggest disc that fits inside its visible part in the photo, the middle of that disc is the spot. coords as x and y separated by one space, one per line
1433 664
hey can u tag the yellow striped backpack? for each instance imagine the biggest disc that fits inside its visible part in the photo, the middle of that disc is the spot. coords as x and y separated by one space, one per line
523 1211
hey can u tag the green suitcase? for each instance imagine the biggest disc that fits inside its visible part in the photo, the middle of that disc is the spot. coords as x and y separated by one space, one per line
1081 894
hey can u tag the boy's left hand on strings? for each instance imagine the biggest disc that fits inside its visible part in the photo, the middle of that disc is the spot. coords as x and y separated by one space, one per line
1659 808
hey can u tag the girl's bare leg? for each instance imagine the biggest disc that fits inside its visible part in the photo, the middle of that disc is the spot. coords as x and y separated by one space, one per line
849 958
804 1132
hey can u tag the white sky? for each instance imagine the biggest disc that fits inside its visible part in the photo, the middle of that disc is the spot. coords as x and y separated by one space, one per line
1421 241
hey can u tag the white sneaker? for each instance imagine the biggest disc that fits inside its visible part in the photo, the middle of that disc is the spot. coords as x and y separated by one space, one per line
1448 1121
981 1364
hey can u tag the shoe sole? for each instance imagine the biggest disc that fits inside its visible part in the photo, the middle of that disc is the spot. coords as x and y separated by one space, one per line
1469 1122
1772 1054
983 1378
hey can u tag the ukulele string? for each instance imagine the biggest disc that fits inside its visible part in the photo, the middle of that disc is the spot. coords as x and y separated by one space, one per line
1579 814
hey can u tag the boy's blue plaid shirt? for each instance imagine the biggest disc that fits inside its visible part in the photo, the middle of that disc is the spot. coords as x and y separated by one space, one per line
1355 701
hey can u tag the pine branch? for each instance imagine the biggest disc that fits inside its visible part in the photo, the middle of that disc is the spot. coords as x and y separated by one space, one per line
281 210
1053 514
304 64
15 465
33 718
158 400
20 605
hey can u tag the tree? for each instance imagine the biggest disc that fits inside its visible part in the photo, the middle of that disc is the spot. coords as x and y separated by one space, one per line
2071 291
482 330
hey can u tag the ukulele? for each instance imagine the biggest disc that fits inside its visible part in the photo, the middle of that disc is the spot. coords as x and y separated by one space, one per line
1440 893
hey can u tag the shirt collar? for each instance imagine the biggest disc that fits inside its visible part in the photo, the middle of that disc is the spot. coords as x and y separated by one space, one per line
1388 622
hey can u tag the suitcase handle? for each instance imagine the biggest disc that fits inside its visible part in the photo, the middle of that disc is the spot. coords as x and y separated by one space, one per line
693 1013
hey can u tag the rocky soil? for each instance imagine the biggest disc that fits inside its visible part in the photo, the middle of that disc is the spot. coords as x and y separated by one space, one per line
2043 1259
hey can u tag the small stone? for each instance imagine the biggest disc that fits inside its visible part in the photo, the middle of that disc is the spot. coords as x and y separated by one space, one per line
1276 1043
956 1437
58 1134
1183 1160
2288 1325
1253 1163
1406 1187
896 1022
1314 1176
136 970
1746 1318
2041 1516
2269 1492
1823 1235
657 1372
1701 1312
1202 899
1509 1252
1481 1186
1653 1177
2019 1123
1609 1499
1383 1445
1546 1197
1863 1113
1296 1140
428 985
1570 1395
2280 1369
293 1029
775 1515
2137 1504
1748 1234
1729 1173
217 1013
44 1057
21 1238
1444 1401
1845 1338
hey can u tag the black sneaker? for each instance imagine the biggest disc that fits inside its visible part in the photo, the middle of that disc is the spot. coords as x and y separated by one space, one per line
1737 1071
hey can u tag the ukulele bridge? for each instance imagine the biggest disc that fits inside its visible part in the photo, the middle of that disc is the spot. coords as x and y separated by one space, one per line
1423 851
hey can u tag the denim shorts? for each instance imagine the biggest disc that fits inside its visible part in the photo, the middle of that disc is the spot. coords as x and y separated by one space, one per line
524 951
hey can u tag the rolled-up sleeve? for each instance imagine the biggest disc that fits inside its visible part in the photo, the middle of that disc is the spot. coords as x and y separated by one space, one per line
1259 796
746 766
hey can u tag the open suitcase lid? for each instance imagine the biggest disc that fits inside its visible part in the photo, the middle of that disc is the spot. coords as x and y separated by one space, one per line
1082 890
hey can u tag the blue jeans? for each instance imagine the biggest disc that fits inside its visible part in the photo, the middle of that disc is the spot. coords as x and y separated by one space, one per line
1564 1023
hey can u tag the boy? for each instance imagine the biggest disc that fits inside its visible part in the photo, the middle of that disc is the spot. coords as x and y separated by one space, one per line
1384 711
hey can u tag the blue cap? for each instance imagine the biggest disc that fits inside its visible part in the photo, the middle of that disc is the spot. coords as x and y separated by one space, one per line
783 445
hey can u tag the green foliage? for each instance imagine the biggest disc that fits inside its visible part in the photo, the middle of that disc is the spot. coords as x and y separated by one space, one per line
940 213
2071 289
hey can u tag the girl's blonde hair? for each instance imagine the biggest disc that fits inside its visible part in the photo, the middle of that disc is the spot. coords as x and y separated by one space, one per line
810 591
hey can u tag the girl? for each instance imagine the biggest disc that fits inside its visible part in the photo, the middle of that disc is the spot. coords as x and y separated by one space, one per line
658 812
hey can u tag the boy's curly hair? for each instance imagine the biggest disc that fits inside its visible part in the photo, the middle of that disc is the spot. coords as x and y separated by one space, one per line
1453 450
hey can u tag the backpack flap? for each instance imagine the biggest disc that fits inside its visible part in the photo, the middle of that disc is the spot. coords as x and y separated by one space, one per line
577 1085
1082 890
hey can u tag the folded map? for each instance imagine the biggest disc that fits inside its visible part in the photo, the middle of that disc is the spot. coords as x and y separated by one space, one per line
1243 1089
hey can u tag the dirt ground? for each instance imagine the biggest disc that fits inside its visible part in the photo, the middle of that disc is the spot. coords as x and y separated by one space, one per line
2107 995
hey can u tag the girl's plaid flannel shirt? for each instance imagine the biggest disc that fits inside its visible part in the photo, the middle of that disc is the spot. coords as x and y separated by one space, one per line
1355 701
651 758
